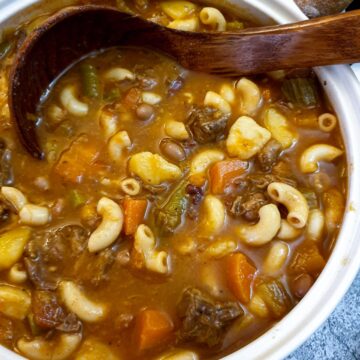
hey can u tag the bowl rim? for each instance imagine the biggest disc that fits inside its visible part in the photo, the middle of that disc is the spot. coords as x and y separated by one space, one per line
344 262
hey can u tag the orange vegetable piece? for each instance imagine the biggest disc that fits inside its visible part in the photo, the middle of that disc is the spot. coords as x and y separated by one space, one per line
307 259
134 212
240 274
223 173
152 328
75 162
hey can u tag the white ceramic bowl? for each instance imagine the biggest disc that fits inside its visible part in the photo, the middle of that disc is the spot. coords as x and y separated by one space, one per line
343 91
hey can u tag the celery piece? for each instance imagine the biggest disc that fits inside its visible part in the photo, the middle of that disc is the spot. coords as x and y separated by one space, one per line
301 92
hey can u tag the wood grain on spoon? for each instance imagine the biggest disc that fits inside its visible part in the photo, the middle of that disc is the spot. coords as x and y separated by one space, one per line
77 31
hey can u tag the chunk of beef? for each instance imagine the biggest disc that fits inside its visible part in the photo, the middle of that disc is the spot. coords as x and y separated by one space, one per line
207 124
48 314
6 170
204 320
94 268
269 155
49 255
248 206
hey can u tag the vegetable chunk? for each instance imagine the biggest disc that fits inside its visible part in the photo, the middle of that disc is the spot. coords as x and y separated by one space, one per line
134 212
152 328
223 173
240 274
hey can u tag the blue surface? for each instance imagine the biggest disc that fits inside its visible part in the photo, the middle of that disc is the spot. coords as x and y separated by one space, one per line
339 337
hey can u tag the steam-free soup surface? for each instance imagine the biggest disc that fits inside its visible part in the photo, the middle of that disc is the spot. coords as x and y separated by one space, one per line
177 215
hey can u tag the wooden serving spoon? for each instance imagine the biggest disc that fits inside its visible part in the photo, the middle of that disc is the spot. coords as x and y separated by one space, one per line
76 31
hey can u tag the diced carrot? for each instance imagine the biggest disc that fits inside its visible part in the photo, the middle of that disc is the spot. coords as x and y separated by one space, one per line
76 161
134 212
240 274
307 259
152 328
223 173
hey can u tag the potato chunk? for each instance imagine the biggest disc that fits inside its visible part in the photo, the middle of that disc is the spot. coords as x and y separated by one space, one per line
14 302
153 169
12 244
246 138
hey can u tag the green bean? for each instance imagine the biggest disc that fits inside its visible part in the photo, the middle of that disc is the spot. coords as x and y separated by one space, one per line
5 48
90 81
302 92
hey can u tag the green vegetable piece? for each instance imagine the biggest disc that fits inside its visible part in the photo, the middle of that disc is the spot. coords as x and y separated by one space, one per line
275 297
302 92
168 216
112 95
77 199
12 244
90 81
35 330
234 25
5 48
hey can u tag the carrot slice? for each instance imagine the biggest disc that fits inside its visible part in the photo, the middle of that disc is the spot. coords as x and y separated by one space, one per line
134 212
223 173
75 162
240 274
152 328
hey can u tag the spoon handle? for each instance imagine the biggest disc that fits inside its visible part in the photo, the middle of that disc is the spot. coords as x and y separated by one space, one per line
323 41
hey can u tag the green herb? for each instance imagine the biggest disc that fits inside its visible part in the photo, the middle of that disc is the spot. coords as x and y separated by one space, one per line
90 81
77 199
301 92
168 216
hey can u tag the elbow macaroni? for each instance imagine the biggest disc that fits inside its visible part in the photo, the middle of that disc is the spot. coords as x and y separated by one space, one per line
265 230
287 231
41 349
250 96
109 229
108 123
320 152
117 144
119 74
191 24
213 216
153 169
316 225
214 18
71 103
212 99
34 215
293 200
246 138
327 122
14 196
278 125
276 258
176 130
76 301
178 9
144 245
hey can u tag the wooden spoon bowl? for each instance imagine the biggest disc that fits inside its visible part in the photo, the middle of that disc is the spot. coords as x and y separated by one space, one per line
77 31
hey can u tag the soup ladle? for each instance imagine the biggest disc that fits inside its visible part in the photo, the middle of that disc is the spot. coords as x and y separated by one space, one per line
77 31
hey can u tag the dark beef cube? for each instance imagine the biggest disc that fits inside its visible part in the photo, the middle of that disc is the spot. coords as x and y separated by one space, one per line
47 311
49 254
248 206
207 124
269 155
205 321
261 181
70 324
